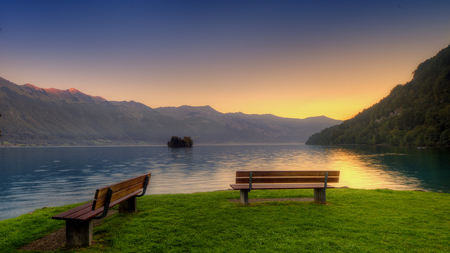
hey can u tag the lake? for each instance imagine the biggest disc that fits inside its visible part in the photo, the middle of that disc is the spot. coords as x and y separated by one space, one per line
37 177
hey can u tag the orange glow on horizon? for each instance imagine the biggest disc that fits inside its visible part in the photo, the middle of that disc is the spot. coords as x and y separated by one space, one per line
286 58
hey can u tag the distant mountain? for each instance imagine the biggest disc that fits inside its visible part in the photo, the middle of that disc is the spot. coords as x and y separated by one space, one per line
36 116
211 126
414 114
32 115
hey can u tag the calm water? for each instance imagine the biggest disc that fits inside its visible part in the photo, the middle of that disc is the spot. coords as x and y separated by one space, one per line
32 178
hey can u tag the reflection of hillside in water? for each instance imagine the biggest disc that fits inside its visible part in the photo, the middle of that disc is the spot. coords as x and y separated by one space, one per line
399 168
369 172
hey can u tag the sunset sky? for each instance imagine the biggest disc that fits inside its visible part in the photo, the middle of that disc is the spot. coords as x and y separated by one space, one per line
293 59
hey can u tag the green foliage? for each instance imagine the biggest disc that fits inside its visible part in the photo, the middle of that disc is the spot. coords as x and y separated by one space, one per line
414 114
353 221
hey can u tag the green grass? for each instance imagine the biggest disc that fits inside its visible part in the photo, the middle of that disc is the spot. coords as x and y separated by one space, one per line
354 221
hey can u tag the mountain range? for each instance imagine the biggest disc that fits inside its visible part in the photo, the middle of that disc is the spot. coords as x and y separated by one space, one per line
414 114
37 116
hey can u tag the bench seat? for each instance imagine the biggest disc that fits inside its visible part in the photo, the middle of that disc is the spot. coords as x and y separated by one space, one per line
85 212
279 186
278 180
79 220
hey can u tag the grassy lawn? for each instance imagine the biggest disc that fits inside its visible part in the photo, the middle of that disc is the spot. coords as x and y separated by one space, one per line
354 221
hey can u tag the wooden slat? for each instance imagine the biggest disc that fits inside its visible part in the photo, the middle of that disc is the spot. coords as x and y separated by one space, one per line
74 215
87 213
286 173
117 195
100 193
296 179
279 186
92 214
71 211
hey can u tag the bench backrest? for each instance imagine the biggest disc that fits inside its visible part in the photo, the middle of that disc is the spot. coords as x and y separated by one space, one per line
280 177
120 190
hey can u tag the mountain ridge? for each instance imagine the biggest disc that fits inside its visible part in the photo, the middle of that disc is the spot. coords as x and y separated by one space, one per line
37 116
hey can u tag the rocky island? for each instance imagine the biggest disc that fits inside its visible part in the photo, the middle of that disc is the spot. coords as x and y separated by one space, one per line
177 142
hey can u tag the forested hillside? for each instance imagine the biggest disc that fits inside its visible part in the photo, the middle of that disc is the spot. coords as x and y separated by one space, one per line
414 114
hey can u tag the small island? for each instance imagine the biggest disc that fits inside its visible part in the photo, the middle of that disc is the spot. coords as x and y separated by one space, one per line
176 142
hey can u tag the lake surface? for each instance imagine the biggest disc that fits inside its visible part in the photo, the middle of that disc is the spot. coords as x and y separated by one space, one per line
32 178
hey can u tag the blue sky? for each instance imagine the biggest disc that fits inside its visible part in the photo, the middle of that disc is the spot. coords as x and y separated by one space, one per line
289 58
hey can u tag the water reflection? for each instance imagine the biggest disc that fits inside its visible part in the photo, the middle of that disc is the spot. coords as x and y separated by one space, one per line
368 172
399 168
37 177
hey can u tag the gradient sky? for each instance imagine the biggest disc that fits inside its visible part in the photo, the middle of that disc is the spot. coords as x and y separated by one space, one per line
293 59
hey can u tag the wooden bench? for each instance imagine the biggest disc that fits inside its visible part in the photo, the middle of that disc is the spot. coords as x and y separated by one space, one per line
79 220
263 180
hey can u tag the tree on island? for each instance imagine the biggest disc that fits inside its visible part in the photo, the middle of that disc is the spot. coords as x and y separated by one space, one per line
176 142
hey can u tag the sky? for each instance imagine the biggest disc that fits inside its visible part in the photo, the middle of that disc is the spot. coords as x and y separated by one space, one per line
293 59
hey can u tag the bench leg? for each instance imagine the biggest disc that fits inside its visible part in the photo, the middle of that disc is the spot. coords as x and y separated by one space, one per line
128 206
320 196
244 197
79 233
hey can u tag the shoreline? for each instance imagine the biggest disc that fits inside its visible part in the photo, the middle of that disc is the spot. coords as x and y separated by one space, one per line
237 199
